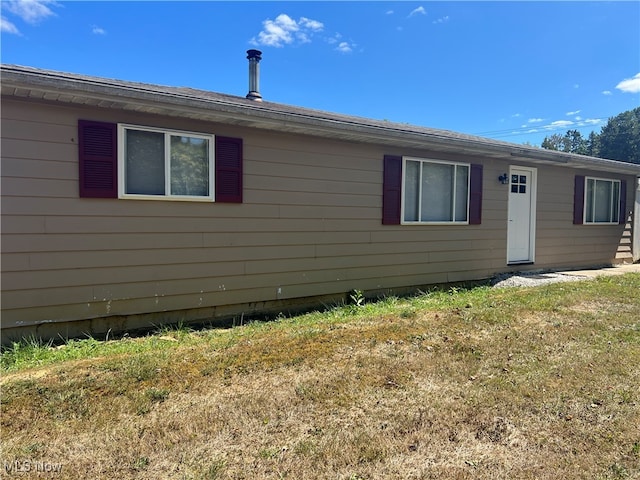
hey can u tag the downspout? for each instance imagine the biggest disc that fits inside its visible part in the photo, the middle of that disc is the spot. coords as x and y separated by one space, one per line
635 247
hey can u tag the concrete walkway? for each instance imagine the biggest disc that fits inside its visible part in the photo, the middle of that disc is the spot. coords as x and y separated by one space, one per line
534 279
597 272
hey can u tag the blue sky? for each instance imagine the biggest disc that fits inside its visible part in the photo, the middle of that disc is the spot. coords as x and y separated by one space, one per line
514 71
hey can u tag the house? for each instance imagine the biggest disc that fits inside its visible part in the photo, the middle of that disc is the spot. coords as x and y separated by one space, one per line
126 205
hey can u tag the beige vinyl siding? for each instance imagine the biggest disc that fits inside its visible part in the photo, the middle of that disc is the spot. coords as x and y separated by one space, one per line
561 243
310 226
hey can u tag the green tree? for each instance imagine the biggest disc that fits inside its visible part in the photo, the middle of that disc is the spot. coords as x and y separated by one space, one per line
577 144
556 142
570 142
619 139
593 145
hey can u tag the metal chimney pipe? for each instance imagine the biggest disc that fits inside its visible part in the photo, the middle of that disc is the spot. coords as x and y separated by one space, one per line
254 57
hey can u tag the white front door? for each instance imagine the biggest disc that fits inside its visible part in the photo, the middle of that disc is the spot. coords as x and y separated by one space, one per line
521 214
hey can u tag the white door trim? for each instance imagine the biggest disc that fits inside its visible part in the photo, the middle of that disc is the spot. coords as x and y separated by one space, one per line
531 224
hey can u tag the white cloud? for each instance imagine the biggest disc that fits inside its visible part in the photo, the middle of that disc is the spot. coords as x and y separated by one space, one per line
31 11
344 47
303 37
572 113
389 12
98 30
607 92
418 11
568 124
535 120
630 85
442 20
314 25
284 31
7 27
559 124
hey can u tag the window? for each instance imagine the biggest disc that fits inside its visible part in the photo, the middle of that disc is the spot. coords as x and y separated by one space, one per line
393 186
126 161
601 200
435 192
159 164
518 184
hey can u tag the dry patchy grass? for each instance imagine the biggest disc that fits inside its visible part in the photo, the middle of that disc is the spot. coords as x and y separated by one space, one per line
539 383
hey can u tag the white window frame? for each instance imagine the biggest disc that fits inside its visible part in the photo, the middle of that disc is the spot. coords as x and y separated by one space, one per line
122 127
432 161
614 204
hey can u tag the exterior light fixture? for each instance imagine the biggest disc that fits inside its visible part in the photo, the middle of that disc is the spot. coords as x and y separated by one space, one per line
503 179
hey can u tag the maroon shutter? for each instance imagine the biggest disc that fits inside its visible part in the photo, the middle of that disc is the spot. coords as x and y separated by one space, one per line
98 159
228 170
623 202
475 195
578 200
391 190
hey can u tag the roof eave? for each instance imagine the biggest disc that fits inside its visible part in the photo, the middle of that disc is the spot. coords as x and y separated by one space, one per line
64 88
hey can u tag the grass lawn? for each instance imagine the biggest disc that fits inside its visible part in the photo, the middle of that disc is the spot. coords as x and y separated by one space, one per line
522 383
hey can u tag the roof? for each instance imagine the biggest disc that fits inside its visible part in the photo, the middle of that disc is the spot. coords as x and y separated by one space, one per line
61 87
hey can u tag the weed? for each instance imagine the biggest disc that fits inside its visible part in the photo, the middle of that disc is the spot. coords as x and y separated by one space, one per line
68 404
214 470
142 402
368 450
269 453
305 447
140 367
357 298
140 405
140 463
626 395
33 448
30 349
619 471
157 394
178 330
408 313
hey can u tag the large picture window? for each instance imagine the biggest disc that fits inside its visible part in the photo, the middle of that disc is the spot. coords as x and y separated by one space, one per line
435 192
601 200
159 164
